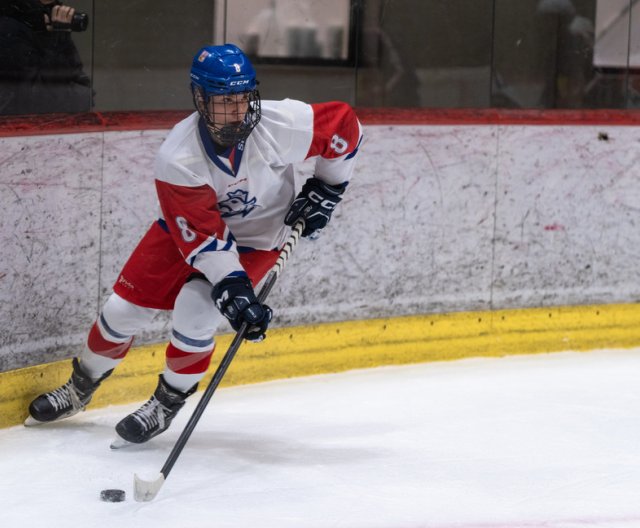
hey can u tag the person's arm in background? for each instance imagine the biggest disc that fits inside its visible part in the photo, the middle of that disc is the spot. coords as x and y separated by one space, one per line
62 63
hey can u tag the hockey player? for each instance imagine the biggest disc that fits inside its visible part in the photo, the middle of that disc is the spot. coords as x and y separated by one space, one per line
225 182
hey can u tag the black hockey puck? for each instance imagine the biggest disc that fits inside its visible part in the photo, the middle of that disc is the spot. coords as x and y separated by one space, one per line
112 495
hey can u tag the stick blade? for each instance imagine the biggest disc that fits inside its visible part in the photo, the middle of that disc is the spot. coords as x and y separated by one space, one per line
146 490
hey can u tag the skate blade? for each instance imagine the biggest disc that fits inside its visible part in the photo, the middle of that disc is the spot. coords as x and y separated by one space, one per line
32 422
120 443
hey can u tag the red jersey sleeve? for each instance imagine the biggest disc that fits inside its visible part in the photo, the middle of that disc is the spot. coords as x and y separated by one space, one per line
200 233
336 130
336 138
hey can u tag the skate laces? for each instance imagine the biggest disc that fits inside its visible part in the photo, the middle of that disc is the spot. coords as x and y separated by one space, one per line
151 415
64 397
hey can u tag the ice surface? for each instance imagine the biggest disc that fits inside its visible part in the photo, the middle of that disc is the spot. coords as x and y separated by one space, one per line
547 441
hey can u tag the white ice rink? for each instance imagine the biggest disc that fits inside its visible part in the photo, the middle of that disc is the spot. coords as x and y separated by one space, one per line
546 441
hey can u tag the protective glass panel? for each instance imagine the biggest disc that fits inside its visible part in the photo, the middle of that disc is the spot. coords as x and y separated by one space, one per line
45 57
282 30
425 53
614 51
143 52
391 53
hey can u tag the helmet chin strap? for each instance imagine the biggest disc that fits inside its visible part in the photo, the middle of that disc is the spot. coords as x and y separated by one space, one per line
228 135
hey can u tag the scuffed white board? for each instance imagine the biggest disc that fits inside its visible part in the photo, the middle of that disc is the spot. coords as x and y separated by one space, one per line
437 219
412 235
568 209
50 188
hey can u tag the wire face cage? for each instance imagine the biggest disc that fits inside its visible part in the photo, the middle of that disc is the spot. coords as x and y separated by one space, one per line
230 118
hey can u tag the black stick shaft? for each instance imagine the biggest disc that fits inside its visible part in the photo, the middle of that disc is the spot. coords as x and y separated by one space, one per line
231 352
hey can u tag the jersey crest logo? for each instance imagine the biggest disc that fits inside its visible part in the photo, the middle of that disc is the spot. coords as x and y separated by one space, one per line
237 203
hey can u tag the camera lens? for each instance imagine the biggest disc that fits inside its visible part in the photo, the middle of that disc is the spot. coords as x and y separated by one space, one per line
79 22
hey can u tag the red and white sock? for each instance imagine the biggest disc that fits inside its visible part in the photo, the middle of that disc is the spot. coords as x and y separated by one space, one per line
187 360
105 349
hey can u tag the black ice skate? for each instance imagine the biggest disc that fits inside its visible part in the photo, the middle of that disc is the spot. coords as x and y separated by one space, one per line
64 401
153 418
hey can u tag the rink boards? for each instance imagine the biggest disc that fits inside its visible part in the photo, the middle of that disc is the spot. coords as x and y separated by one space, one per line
335 347
473 218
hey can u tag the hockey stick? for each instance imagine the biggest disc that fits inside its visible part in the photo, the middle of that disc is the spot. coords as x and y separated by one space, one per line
146 490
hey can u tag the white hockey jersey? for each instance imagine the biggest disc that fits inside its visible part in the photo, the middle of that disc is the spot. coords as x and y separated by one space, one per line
216 205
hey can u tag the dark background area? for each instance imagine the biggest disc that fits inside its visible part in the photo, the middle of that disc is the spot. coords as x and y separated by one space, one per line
404 53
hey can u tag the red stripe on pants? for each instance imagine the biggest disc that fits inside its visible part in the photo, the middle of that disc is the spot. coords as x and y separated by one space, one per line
99 345
182 362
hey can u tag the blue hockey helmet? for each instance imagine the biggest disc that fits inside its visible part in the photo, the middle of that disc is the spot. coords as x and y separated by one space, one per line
220 70
225 70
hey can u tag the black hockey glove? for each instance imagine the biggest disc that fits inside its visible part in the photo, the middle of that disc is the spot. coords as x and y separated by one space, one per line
315 203
236 300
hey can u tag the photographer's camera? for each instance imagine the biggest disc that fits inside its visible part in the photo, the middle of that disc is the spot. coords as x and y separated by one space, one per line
32 13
